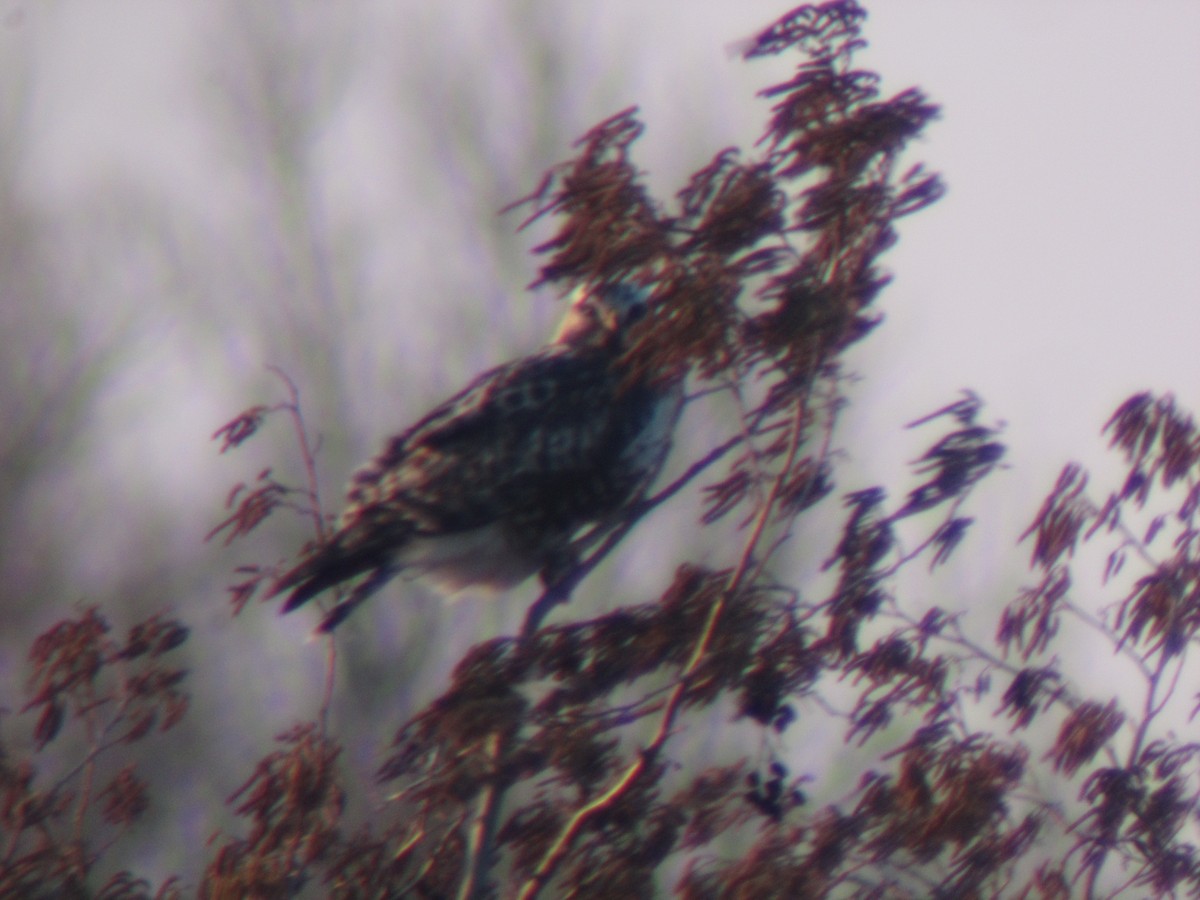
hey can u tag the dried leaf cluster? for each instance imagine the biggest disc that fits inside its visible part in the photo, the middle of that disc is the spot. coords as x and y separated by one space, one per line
101 695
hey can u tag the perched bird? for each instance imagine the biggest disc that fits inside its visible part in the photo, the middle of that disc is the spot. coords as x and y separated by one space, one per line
491 486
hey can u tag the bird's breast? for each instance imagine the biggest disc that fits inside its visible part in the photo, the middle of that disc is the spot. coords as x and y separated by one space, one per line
486 558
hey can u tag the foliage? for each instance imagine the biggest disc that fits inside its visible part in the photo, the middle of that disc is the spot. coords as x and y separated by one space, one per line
556 763
110 695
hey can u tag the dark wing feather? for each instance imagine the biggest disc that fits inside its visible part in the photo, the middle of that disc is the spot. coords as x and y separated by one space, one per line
347 554
528 439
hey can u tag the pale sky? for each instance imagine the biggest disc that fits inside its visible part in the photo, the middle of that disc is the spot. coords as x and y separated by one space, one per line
1059 274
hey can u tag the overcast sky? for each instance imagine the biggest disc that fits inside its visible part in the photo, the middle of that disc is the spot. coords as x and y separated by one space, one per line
1060 273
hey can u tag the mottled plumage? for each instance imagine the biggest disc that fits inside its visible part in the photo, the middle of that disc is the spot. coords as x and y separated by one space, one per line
491 486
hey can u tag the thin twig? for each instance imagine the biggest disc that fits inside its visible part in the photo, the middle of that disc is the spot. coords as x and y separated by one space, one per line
544 870
483 831
306 451
309 456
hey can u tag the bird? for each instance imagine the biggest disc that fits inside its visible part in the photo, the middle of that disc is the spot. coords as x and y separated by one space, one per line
495 484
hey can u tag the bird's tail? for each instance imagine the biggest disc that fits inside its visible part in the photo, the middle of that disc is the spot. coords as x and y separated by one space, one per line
361 593
327 567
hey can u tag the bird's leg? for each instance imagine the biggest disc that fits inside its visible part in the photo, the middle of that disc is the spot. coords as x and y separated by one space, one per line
558 580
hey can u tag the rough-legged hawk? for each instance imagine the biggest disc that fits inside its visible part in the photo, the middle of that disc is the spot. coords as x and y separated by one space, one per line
491 486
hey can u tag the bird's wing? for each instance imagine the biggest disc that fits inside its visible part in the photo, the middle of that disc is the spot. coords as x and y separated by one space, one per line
533 437
539 446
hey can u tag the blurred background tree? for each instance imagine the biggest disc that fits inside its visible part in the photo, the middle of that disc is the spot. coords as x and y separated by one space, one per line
148 304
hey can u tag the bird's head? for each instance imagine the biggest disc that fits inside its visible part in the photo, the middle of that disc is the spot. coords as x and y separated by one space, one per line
599 312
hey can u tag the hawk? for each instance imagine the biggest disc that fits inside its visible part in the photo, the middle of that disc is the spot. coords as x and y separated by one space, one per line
491 487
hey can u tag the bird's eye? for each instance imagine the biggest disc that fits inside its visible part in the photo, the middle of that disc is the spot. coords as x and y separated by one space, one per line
636 313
